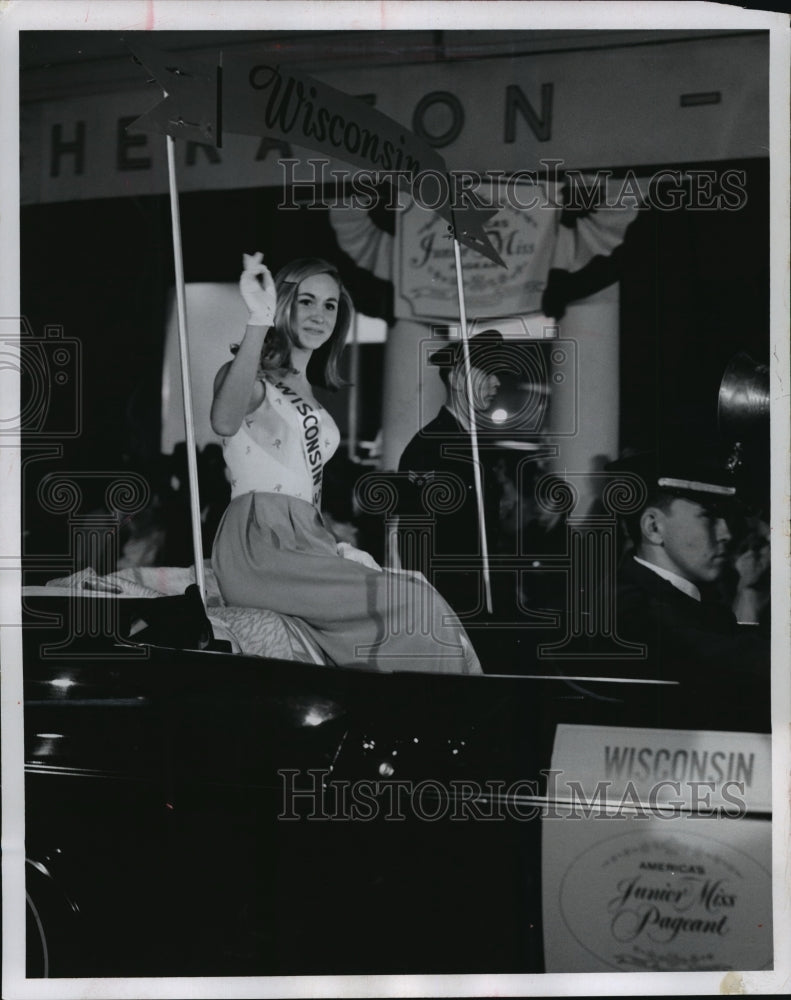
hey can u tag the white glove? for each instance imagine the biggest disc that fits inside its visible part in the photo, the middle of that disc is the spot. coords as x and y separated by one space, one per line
259 296
353 554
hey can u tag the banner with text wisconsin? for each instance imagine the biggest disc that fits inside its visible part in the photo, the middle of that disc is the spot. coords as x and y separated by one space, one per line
252 96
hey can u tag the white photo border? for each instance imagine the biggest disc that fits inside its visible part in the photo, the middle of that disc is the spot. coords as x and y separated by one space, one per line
128 15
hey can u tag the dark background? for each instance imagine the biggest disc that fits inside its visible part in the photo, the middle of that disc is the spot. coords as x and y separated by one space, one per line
694 290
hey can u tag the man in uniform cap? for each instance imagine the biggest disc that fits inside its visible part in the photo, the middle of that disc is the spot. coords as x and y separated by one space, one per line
667 594
444 446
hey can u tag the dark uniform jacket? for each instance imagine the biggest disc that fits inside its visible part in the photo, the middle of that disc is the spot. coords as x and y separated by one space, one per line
685 638
444 446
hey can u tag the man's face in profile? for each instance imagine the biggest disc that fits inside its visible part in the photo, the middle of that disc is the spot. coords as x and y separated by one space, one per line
484 386
695 539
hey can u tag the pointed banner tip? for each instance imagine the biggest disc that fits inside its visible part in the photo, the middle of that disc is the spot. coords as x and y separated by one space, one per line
479 243
192 92
469 218
488 251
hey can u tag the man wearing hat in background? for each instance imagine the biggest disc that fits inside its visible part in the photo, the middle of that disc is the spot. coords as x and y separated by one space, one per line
444 445
669 589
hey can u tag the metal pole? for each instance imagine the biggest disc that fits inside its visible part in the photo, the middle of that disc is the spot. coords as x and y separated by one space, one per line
181 308
476 466
354 391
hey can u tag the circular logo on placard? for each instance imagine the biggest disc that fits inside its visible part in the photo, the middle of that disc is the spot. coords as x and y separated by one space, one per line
655 902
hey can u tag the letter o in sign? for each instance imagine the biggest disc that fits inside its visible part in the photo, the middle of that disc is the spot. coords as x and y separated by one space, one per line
453 104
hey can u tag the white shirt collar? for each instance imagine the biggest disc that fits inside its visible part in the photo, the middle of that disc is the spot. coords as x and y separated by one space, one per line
678 581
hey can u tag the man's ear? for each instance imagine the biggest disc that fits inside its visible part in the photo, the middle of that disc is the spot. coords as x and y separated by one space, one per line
652 524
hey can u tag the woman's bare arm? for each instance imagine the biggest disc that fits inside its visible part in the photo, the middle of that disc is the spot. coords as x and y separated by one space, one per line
237 390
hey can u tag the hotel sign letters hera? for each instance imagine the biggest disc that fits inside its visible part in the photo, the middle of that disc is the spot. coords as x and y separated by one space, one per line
478 115
438 118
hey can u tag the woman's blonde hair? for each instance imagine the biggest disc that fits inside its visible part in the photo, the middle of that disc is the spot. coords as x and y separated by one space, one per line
323 368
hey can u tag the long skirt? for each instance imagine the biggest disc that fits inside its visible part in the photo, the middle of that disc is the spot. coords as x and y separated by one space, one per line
273 551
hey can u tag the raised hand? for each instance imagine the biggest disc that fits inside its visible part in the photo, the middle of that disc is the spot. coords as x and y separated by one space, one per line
258 290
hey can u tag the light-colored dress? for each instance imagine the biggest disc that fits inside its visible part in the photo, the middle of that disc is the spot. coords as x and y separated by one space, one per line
272 550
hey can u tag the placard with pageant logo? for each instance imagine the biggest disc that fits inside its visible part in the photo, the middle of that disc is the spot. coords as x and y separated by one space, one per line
657 854
654 895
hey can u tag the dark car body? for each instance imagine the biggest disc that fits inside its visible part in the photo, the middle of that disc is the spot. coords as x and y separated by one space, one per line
163 839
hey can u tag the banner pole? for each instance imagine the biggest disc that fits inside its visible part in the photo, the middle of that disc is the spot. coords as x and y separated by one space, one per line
181 309
476 465
354 391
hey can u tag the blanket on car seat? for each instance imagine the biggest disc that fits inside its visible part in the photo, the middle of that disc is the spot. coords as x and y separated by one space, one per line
253 631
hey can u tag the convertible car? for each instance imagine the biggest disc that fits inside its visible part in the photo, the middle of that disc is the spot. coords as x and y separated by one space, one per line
197 811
